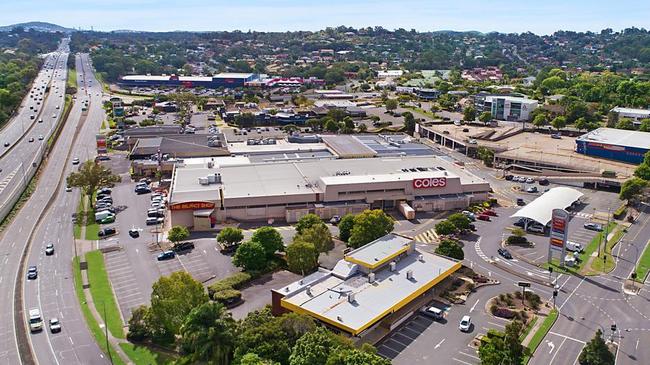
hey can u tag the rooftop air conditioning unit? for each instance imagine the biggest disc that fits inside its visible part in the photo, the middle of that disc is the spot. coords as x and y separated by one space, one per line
210 164
409 274
371 277
309 290
212 179
217 178
393 266
204 181
352 297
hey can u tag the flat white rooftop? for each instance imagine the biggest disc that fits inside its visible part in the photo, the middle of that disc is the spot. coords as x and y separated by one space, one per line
326 297
379 251
618 137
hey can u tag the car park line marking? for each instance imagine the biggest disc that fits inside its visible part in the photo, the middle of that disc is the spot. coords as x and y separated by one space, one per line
461 361
474 306
468 355
439 343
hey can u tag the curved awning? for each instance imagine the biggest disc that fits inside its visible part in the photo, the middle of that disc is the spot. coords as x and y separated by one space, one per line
541 209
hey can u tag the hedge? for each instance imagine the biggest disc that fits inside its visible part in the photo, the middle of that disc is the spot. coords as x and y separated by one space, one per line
620 212
516 240
231 283
226 295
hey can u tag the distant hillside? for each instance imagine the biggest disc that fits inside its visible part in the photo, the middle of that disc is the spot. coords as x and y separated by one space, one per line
39 26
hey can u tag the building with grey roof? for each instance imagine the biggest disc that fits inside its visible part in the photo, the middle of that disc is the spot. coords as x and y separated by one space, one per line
369 285
287 190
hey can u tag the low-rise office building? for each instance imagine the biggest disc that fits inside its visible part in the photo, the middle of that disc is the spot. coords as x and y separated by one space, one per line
370 286
509 107
222 190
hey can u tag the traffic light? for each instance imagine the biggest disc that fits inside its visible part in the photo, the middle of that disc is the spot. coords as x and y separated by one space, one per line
554 293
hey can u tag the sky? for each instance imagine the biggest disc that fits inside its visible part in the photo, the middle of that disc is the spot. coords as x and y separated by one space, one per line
540 17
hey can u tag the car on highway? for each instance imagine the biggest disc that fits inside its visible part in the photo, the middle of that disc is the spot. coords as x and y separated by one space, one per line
108 231
166 255
75 161
465 324
68 188
483 217
134 233
40 137
593 226
40 120
432 312
35 320
32 273
7 144
49 249
55 325
504 253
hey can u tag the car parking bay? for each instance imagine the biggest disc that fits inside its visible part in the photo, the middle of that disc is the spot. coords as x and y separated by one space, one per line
124 282
168 267
194 263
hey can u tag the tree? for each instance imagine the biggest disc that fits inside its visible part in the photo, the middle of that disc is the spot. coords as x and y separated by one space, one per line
450 248
596 352
307 221
245 120
355 357
643 172
302 257
315 347
345 227
518 232
391 104
645 125
173 298
409 122
270 239
485 117
209 334
445 228
625 123
368 226
551 84
230 235
632 188
319 235
261 333
331 125
250 255
254 359
138 328
177 234
362 128
559 122
540 120
505 349
486 155
469 114
92 176
461 221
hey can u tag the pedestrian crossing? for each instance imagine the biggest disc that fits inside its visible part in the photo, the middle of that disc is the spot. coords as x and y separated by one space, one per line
581 215
427 236
479 251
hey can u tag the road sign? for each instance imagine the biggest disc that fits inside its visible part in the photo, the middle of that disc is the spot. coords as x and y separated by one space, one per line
558 235
523 284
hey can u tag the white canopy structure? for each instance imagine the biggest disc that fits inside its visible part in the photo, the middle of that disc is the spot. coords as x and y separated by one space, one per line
540 210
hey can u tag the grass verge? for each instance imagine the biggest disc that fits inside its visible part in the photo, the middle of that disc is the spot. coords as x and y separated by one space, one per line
102 293
598 265
643 266
540 334
92 227
96 331
72 78
143 355
528 329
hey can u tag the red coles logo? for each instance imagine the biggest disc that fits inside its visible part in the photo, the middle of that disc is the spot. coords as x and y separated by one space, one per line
434 182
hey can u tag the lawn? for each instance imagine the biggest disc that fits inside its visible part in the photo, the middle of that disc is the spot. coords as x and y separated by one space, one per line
644 264
102 293
597 265
422 111
541 333
97 332
528 328
142 355
92 227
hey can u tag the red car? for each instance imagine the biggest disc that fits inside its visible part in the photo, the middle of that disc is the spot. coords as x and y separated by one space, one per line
483 217
490 213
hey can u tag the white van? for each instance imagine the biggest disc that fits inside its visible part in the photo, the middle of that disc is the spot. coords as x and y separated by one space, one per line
102 215
35 320
536 228
573 246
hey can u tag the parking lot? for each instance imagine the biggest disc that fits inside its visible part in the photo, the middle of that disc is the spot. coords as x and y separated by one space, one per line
124 281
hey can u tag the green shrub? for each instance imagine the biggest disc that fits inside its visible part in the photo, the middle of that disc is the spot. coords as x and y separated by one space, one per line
235 281
493 308
516 240
227 296
620 212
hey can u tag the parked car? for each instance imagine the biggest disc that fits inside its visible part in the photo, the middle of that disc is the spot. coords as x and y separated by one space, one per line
142 190
531 189
520 201
509 177
226 248
166 255
153 221
183 246
335 220
465 324
521 179
520 223
530 180
108 231
573 246
483 217
470 215
490 213
556 136
433 313
593 226
536 228
55 325
543 182
504 253
49 249
107 191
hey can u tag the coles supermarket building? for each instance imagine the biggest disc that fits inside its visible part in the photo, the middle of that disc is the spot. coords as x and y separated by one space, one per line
234 189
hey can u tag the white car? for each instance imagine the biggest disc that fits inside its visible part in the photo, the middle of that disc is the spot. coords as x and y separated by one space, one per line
156 204
530 180
465 324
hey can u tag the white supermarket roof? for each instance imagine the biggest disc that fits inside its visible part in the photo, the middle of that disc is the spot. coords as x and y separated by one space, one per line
541 209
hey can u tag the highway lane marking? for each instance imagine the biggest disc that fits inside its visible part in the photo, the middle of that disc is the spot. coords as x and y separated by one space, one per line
567 337
637 345
570 295
474 306
439 343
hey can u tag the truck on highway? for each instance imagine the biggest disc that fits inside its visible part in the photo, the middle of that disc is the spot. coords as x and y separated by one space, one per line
35 320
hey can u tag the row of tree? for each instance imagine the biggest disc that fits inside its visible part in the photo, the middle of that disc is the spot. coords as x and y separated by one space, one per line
637 186
182 317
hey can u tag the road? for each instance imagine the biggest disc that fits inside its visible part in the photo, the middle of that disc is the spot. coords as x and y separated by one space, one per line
53 291
21 137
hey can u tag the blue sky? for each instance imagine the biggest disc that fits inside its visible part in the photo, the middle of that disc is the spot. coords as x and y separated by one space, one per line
541 17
